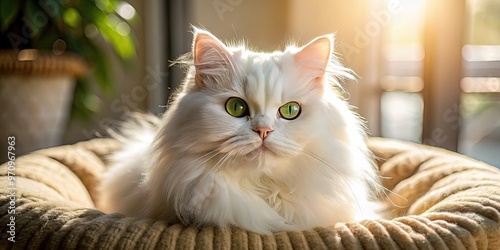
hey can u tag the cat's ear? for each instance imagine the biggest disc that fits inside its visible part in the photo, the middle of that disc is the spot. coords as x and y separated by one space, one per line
315 56
212 59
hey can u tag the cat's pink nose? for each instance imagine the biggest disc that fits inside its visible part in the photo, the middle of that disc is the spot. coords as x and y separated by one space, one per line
263 132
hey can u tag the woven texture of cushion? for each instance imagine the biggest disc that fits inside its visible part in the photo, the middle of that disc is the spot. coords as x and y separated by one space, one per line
450 202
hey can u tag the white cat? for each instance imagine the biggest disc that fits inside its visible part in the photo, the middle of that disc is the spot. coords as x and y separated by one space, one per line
260 141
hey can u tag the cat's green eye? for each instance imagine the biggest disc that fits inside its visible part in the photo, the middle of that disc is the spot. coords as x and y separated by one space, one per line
290 110
236 107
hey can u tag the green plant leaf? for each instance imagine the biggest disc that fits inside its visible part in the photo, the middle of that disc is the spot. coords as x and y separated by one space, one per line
89 10
45 21
102 67
107 6
122 44
46 41
35 19
103 73
78 107
72 18
8 13
54 10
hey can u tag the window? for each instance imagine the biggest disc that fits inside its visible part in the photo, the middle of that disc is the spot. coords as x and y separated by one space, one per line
430 70
449 87
401 77
480 99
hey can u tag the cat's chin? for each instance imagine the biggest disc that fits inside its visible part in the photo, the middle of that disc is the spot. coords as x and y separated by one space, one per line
257 153
263 155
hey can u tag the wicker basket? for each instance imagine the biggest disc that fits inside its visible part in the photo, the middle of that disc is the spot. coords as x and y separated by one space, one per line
36 90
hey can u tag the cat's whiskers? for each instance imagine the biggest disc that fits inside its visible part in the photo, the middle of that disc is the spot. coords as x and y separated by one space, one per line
383 189
252 155
386 190
213 153
253 150
210 155
205 194
216 166
284 147
235 142
232 161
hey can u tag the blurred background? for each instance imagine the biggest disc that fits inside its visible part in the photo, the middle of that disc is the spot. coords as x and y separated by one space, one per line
429 70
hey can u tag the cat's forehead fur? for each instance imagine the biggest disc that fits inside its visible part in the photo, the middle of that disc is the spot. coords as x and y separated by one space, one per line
264 81
267 79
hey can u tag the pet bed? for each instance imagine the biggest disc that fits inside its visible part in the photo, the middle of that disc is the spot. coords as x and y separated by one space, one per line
450 202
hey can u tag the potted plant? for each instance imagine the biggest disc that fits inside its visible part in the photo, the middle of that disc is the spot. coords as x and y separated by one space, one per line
49 51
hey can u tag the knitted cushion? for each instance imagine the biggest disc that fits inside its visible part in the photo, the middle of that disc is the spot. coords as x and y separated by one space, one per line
450 202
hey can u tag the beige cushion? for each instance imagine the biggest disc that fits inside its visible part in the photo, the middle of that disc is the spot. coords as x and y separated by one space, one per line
450 201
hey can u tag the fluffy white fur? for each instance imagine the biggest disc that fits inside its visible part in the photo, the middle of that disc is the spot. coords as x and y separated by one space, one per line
200 165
